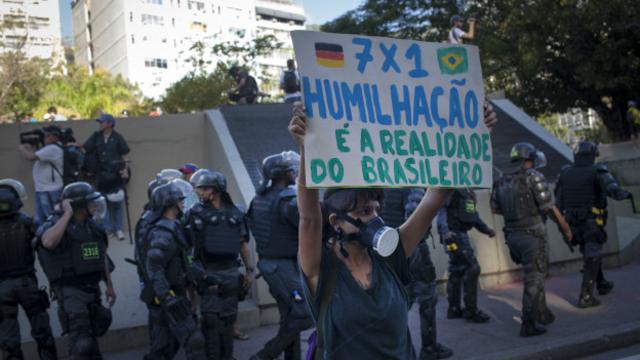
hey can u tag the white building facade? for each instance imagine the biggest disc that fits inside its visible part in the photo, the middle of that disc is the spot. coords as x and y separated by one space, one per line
34 28
149 41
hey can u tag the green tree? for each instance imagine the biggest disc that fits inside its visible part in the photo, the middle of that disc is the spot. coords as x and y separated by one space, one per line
550 122
78 94
198 91
548 55
22 79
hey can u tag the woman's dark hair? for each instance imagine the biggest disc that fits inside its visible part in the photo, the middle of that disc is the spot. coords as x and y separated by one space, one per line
344 201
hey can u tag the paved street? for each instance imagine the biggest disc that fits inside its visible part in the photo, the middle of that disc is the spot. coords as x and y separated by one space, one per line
499 338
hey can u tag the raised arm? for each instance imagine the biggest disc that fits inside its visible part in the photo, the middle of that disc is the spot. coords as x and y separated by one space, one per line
310 227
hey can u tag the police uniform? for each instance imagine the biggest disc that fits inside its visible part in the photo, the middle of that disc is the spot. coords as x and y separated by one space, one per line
218 236
74 269
455 219
521 197
273 217
582 191
398 205
18 286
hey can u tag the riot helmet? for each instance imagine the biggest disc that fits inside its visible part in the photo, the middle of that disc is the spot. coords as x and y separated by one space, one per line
211 179
521 152
12 195
167 175
586 148
166 196
153 184
82 196
276 165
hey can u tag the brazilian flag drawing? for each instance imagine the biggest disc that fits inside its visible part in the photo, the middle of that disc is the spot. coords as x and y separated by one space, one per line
329 55
453 60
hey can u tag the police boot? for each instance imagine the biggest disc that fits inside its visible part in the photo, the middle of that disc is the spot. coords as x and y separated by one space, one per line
454 312
588 281
604 286
437 351
475 316
530 328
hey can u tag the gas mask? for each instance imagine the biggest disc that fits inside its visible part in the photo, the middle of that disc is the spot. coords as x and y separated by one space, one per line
373 234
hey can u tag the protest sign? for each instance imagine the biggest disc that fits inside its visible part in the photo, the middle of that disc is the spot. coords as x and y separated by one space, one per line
393 113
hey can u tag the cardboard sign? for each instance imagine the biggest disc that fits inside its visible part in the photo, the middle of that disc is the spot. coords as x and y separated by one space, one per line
392 113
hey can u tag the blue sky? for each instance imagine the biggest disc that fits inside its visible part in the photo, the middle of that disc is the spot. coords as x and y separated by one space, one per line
318 12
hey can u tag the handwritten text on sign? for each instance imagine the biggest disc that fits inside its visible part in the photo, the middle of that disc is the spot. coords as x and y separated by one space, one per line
394 113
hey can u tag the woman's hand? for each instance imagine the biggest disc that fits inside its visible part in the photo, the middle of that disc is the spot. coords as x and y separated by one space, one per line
298 124
490 116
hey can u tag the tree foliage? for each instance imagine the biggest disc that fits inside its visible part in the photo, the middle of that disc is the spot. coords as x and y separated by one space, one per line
548 55
77 94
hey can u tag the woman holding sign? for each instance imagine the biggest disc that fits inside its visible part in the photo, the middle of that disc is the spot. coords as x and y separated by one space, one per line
354 267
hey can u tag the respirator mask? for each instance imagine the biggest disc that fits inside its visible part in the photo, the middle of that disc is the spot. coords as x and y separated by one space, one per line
373 235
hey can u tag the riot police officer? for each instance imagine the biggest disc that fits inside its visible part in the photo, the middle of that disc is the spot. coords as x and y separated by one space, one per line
165 282
220 232
398 205
273 217
582 191
522 196
72 250
18 284
455 219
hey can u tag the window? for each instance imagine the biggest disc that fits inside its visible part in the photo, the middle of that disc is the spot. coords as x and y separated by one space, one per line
154 62
195 5
148 19
131 16
196 25
133 39
154 2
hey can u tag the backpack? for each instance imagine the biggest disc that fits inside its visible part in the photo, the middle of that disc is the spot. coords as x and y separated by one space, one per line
252 85
72 161
291 84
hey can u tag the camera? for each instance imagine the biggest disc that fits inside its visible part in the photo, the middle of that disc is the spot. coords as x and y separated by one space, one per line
34 138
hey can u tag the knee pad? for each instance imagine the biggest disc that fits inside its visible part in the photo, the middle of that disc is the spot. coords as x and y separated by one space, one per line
40 330
84 346
474 270
196 340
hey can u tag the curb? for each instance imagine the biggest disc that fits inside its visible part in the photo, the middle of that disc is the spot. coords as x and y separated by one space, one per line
575 346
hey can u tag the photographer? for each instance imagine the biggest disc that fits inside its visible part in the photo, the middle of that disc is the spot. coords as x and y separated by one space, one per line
48 182
457 35
246 90
106 158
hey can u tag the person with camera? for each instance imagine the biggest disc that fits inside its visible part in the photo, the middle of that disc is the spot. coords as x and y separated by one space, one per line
165 268
72 249
18 283
107 159
455 219
220 233
456 34
48 160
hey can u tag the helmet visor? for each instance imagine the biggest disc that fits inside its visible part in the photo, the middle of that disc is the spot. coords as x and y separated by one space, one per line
98 208
167 175
540 160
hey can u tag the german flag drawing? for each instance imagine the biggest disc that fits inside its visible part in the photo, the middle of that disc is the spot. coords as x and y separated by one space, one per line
329 55
453 60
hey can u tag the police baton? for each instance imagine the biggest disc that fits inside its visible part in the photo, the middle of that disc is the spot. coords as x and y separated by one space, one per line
126 207
633 204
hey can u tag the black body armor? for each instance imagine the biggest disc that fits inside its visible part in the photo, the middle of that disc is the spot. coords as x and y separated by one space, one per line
276 236
81 252
461 211
16 254
217 231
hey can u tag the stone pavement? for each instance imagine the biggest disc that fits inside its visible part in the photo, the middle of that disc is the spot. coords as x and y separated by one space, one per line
576 332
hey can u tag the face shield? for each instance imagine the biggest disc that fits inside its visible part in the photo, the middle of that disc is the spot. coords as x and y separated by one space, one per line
189 194
166 175
540 161
98 208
